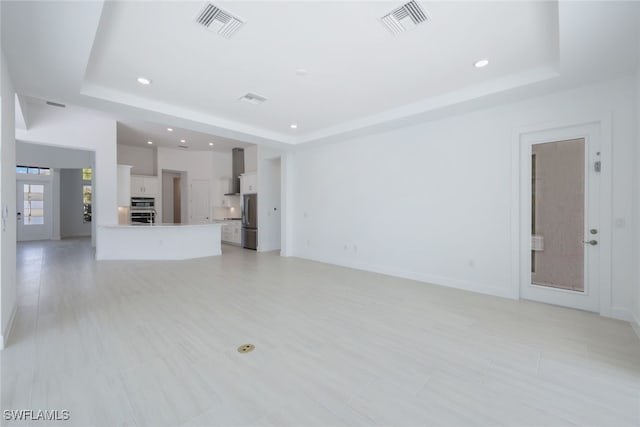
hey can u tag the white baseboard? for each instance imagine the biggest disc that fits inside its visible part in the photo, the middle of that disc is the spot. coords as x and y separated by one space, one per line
5 334
420 277
618 313
74 236
627 315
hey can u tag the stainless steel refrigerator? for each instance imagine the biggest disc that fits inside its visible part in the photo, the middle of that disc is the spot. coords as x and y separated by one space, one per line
250 221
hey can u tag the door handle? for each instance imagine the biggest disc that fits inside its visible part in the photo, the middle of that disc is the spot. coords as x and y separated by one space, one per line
590 242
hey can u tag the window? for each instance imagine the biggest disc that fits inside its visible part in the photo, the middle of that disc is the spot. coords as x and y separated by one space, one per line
33 170
87 174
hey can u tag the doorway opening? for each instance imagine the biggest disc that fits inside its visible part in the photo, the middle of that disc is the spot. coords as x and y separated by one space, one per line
174 208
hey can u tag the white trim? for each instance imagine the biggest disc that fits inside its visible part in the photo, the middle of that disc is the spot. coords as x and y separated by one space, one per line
5 334
604 120
624 314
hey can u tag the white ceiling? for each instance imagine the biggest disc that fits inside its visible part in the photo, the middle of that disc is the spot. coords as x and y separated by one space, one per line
359 76
356 67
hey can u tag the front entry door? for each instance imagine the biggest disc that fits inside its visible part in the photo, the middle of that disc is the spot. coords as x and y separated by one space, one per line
560 232
34 213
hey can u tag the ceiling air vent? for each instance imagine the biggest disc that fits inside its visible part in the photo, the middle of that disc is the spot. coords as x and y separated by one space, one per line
404 18
252 98
219 21
55 104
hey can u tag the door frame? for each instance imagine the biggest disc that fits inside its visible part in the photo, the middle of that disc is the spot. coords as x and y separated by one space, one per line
603 123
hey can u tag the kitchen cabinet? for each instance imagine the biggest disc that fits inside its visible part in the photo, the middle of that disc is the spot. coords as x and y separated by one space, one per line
232 232
249 183
142 185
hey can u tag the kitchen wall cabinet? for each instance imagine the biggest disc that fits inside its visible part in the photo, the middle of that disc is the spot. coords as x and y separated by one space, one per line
249 183
145 186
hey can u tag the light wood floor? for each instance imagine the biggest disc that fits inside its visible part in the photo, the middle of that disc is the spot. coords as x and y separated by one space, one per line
154 344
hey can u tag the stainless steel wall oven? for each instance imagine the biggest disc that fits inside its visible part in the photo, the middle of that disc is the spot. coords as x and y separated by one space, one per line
143 210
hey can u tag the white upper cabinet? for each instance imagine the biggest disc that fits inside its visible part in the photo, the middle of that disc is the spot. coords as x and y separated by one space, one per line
249 183
146 186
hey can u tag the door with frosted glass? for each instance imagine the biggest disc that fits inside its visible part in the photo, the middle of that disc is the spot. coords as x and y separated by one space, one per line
33 210
561 248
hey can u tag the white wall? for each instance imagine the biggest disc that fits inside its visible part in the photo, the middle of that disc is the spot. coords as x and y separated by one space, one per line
434 201
269 199
198 165
78 128
52 157
71 205
142 159
251 158
8 289
55 232
223 206
637 208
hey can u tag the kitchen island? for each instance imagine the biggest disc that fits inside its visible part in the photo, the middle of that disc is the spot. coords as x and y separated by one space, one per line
157 242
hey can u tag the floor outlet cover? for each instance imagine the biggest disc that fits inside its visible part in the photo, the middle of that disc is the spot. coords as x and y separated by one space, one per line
246 348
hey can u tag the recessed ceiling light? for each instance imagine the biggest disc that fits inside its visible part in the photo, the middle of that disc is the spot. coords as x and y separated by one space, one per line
183 141
302 72
211 144
293 126
170 129
144 81
149 142
481 63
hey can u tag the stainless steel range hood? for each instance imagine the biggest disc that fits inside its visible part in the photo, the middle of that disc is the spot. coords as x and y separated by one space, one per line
237 168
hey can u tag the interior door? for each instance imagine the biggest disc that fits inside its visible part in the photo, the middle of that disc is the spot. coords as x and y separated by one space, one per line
560 254
34 210
200 203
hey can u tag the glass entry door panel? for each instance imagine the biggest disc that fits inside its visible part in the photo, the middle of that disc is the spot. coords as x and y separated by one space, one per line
560 210
33 204
558 214
33 210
